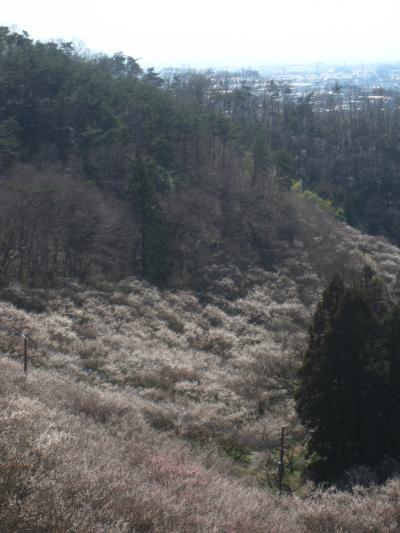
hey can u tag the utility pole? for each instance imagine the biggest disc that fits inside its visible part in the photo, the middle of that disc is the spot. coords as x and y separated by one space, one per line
281 459
25 348
25 355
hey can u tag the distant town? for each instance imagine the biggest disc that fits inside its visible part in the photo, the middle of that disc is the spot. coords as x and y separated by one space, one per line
380 82
304 78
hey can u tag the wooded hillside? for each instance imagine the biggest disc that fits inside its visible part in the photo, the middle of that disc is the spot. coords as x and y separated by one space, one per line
164 244
109 170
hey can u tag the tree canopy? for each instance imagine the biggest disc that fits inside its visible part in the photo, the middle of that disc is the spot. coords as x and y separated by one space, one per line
217 150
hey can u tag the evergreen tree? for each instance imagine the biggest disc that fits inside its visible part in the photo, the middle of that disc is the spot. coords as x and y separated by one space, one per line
346 394
155 257
391 334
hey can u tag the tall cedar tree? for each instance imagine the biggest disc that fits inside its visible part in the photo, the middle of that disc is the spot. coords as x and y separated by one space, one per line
155 255
347 395
392 390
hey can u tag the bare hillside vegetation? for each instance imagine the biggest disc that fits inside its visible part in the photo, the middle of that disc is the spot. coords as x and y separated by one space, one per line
159 410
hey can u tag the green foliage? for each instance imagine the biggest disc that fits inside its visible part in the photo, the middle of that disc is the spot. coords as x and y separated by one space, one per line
58 105
155 258
9 144
220 156
346 394
238 453
323 203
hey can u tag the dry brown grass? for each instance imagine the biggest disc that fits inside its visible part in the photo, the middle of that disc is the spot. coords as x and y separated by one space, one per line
74 459
140 398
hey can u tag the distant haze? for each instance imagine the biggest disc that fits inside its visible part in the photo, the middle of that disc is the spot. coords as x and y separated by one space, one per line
219 33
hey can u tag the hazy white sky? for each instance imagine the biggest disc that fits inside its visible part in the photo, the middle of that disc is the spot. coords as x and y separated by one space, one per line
218 33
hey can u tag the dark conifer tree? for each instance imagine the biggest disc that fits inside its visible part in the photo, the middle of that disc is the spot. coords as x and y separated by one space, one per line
391 332
155 257
312 397
346 392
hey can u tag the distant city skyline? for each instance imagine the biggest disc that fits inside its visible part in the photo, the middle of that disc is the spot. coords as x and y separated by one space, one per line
219 33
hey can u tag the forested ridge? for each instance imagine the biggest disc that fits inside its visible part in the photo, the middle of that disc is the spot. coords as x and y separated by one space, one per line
119 171
153 186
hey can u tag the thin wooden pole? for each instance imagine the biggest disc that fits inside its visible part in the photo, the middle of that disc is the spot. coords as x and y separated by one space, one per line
281 459
25 356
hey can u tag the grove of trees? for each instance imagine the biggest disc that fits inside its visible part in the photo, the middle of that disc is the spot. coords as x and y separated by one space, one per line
104 169
183 172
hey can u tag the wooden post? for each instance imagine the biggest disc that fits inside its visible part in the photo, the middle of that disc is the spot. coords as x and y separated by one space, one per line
25 355
281 459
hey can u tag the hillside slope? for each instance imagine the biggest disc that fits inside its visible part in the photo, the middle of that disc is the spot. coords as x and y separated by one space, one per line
152 410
